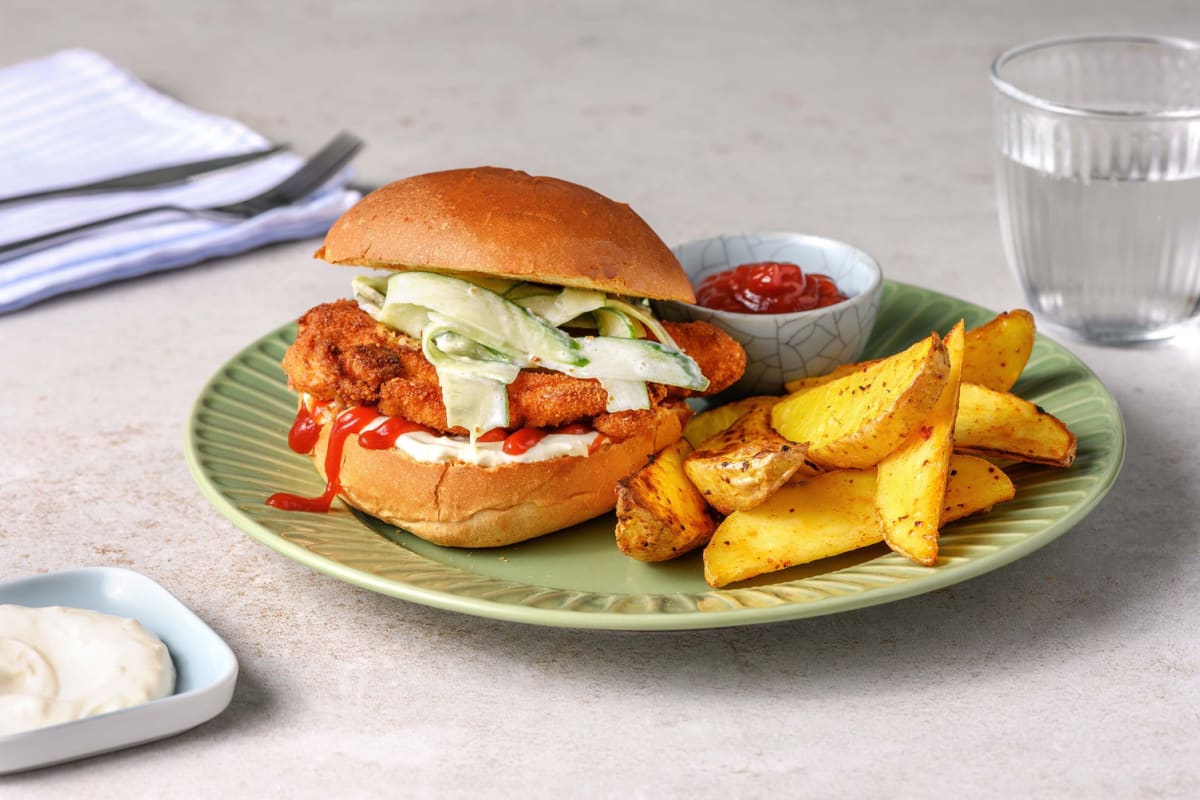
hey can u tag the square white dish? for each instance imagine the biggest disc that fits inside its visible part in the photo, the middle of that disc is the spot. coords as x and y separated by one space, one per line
206 669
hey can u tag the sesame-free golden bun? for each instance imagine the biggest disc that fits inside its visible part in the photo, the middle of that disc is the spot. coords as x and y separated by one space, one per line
506 223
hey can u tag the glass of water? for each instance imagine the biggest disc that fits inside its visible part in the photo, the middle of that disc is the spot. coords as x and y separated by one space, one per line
1098 180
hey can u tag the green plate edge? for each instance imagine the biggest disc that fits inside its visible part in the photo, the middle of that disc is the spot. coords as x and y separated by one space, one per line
237 455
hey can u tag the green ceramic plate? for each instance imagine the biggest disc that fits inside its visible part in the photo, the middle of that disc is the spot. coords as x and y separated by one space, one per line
237 451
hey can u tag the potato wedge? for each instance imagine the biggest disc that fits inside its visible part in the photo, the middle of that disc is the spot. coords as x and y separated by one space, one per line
1003 425
911 481
708 424
745 463
996 353
831 514
660 514
973 486
998 350
856 420
841 371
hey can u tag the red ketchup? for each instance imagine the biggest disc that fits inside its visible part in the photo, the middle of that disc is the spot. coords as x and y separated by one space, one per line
494 435
520 440
767 287
348 423
384 436
305 430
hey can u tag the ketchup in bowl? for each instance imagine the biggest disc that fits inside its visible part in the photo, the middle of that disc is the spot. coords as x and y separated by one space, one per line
767 287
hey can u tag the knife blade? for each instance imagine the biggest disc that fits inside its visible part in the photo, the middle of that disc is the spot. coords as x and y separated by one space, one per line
150 178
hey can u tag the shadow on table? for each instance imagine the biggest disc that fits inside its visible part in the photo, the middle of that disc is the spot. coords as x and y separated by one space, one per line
248 715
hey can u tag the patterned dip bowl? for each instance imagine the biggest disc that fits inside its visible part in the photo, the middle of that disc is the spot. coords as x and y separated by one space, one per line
781 347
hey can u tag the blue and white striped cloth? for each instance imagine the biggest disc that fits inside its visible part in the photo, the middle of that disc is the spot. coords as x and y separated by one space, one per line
75 117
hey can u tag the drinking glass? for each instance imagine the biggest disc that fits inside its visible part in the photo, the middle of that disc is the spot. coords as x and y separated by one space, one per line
1098 181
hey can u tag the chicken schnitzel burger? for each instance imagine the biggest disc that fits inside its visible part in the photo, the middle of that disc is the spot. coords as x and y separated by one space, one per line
504 370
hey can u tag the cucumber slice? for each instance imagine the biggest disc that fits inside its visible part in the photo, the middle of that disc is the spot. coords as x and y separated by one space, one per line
404 317
371 293
612 322
372 298
625 395
487 318
491 283
562 306
474 380
474 402
525 289
644 316
450 350
636 359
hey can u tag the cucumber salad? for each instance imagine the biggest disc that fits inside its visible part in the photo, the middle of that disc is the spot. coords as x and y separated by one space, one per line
479 333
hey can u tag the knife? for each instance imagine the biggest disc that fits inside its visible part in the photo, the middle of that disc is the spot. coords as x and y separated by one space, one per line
159 176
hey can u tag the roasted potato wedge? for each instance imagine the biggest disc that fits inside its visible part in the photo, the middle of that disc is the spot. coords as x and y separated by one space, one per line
856 420
911 481
660 514
833 513
996 353
974 485
998 350
812 382
745 463
1003 425
708 424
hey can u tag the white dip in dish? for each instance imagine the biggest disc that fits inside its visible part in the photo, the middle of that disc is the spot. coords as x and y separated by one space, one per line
61 664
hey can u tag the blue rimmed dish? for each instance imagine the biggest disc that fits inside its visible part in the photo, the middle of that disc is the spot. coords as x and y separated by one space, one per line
206 669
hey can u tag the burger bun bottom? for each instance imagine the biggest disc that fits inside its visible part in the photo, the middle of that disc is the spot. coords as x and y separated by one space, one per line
457 504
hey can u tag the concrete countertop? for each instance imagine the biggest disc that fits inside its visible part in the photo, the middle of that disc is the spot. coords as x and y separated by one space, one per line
1074 672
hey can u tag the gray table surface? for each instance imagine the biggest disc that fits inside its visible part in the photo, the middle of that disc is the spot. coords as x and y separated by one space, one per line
1071 673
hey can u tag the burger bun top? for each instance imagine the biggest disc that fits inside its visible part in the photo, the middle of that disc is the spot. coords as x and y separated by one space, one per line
505 223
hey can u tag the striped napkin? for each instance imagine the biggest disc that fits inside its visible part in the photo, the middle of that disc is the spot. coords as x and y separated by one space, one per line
74 117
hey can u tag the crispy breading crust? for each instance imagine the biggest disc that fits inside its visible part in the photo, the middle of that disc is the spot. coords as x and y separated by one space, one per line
342 354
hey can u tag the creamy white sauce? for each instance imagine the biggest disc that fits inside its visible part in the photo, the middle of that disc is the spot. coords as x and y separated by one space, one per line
434 449
61 664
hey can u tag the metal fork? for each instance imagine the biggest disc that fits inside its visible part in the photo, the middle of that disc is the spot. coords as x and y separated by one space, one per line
308 178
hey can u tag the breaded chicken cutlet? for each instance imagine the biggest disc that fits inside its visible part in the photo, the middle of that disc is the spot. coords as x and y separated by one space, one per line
341 354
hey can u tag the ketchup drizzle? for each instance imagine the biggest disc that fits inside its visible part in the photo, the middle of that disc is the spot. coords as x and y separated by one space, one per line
494 435
348 423
304 432
385 435
520 440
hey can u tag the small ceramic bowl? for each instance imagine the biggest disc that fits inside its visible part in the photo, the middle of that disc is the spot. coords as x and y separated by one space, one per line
781 347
